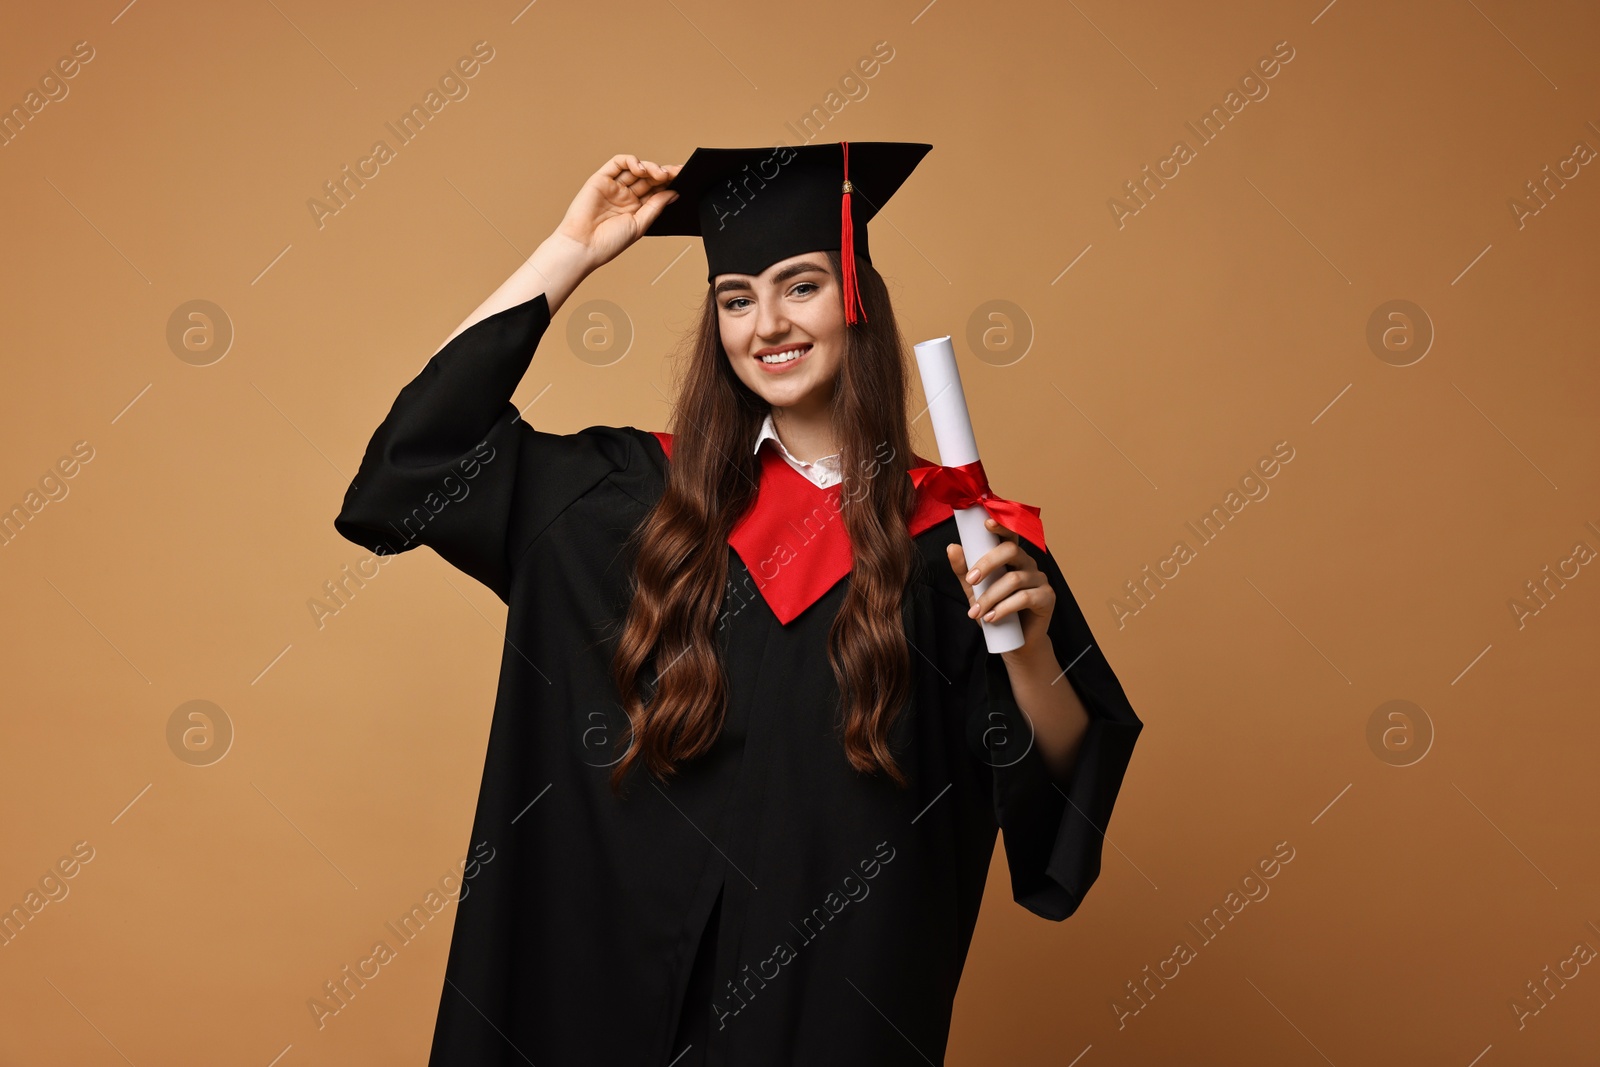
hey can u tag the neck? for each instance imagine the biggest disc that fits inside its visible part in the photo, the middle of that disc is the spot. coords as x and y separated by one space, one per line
807 432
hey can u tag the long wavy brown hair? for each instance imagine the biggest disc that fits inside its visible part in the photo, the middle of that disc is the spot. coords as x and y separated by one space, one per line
680 551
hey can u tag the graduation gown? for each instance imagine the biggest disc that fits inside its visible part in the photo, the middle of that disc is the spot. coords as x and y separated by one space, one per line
771 902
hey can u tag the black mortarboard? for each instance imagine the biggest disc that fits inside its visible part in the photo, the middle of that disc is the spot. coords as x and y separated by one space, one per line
755 206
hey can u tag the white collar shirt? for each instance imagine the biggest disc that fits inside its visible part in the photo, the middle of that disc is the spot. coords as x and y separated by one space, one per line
823 472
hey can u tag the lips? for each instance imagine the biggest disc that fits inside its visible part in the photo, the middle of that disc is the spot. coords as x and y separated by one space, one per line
780 349
800 352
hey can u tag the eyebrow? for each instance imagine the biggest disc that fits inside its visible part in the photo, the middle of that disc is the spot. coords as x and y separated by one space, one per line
782 276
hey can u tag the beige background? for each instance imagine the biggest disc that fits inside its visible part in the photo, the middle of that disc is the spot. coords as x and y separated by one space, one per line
1230 313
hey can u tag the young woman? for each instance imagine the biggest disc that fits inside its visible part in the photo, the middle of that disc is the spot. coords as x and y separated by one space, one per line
750 753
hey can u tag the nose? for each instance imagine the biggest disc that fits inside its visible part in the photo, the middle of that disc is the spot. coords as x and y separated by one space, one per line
771 322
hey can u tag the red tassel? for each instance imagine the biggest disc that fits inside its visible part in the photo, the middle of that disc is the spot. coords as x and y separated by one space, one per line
847 250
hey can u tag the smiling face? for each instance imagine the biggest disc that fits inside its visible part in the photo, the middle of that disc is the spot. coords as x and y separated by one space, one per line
793 315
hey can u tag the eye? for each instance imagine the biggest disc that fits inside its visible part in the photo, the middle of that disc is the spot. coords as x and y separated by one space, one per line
800 289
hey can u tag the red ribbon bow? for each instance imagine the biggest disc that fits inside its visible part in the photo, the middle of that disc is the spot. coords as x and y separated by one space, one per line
967 485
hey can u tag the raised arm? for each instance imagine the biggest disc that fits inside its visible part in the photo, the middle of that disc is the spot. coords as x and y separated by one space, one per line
453 465
612 210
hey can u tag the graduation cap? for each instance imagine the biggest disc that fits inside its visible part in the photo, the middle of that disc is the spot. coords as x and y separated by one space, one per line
755 206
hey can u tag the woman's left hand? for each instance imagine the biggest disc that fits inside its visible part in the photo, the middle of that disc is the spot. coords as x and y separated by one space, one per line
1022 589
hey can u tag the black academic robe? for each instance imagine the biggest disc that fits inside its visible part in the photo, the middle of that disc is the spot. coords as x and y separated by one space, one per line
830 911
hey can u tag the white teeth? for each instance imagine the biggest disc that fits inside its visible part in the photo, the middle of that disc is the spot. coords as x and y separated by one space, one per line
785 357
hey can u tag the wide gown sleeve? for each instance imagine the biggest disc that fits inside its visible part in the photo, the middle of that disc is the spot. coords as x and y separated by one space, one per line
1053 833
453 465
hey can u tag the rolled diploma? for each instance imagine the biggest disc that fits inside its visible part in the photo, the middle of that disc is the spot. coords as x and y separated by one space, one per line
952 431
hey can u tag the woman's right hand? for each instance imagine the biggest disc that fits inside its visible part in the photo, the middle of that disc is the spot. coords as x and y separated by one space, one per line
617 205
612 210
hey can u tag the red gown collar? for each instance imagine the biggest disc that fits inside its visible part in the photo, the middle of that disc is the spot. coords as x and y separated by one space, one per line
793 539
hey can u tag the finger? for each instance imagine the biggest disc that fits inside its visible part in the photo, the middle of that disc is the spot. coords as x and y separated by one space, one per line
620 168
1010 605
652 207
1007 554
999 594
623 169
643 186
644 171
992 561
1003 586
1017 558
1000 530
